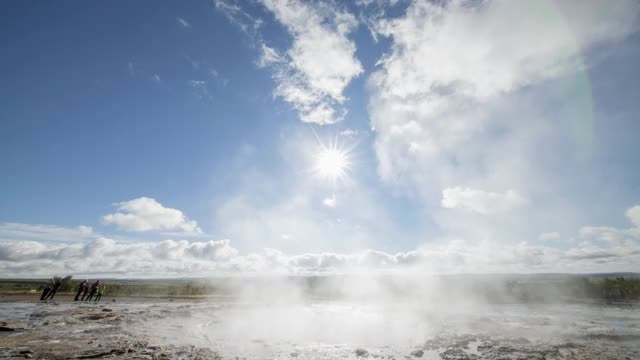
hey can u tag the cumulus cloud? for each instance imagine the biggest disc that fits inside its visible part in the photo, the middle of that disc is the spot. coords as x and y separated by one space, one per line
427 91
633 213
460 98
146 214
209 258
22 256
482 202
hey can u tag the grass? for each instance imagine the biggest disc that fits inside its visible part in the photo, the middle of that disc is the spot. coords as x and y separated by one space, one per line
567 288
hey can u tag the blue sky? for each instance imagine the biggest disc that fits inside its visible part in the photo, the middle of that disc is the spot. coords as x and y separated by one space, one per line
191 136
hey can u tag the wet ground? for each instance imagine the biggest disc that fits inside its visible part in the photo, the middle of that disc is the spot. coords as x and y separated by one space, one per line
216 329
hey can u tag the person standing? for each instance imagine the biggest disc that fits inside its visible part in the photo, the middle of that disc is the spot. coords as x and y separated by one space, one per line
46 290
83 286
100 292
85 292
54 289
94 289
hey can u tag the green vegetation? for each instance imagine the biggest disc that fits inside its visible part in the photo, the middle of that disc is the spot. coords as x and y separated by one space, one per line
576 288
114 288
497 289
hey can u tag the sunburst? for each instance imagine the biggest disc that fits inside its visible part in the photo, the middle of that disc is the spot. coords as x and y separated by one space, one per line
333 161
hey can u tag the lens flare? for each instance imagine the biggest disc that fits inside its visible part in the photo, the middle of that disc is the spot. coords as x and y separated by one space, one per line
332 162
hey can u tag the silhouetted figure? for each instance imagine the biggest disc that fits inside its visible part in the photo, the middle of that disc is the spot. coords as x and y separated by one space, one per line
47 289
100 292
85 293
81 288
94 289
54 289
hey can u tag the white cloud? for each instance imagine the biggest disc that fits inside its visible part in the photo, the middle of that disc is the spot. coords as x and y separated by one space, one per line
330 201
606 233
348 133
482 202
156 78
146 214
321 60
108 257
314 72
460 98
234 13
549 236
200 89
253 222
633 213
615 235
269 56
442 69
184 23
21 256
45 232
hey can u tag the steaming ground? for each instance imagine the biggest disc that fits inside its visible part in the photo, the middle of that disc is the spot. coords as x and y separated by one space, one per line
337 330
332 318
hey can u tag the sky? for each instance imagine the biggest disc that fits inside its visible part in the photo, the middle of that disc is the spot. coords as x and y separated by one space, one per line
206 138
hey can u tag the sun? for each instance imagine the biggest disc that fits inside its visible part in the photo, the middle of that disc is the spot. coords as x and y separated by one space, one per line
332 163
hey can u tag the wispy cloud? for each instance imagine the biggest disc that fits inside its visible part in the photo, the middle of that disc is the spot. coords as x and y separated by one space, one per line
195 65
330 201
613 235
479 201
320 63
200 88
236 15
45 232
184 23
313 73
554 235
349 133
269 57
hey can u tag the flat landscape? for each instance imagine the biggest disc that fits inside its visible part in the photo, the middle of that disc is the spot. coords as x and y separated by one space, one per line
253 322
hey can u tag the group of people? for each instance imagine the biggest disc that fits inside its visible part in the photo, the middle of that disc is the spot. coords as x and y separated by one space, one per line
85 292
96 289
50 290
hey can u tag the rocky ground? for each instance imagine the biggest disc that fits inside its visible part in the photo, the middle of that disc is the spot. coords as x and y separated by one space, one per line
85 332
97 331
